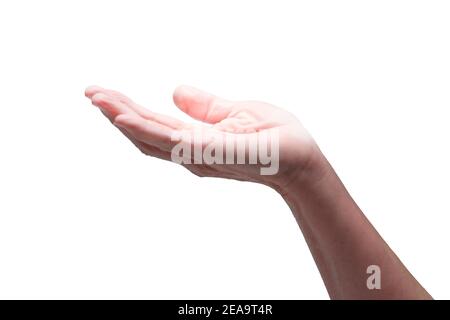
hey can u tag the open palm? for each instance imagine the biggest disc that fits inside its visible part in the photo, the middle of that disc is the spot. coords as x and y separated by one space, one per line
236 121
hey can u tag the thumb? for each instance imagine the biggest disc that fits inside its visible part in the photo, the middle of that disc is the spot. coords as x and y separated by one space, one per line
201 105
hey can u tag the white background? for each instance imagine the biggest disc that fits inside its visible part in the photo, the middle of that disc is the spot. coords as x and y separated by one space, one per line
83 214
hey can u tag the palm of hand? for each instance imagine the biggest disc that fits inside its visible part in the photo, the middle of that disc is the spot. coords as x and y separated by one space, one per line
153 133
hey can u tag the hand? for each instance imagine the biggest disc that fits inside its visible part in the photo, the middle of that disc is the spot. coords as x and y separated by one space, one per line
341 239
234 121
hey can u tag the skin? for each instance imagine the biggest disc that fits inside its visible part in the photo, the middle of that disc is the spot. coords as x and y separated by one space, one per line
341 239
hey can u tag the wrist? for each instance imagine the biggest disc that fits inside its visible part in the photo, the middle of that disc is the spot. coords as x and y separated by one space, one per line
310 175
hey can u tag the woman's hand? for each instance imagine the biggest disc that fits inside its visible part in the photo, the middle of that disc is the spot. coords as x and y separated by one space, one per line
344 244
223 121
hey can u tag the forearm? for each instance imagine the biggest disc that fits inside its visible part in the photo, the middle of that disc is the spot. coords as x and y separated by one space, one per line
342 241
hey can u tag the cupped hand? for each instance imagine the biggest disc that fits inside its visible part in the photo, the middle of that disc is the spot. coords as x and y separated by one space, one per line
222 123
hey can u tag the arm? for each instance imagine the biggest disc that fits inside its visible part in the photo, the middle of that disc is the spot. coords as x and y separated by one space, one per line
342 241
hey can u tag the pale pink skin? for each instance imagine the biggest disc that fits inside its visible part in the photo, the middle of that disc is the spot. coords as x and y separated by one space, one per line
341 239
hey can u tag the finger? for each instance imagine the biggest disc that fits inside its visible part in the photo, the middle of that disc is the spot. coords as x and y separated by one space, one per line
146 131
114 107
201 105
148 149
93 90
111 106
143 112
143 147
